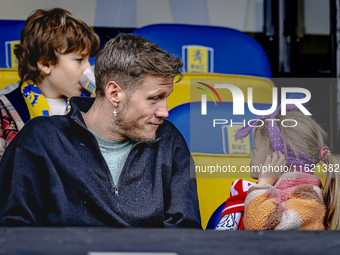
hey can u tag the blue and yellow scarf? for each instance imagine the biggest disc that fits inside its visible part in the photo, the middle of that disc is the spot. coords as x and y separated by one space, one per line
36 102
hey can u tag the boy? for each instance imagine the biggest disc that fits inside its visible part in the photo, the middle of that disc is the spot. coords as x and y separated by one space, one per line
53 53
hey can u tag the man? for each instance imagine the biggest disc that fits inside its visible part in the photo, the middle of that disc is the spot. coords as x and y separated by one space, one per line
111 161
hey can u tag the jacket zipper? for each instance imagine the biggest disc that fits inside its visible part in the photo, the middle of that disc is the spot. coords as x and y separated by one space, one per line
116 186
116 190
113 186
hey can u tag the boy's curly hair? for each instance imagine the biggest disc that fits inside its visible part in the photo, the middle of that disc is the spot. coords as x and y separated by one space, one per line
46 34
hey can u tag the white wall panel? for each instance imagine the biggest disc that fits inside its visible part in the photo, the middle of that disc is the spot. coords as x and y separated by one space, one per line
317 17
153 11
116 13
20 9
230 13
244 15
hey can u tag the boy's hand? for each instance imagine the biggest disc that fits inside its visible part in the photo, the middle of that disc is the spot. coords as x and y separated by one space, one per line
272 168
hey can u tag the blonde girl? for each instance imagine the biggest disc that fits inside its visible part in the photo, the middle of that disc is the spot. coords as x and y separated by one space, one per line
288 196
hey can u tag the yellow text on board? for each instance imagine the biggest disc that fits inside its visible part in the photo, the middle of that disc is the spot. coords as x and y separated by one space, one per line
14 60
241 146
197 60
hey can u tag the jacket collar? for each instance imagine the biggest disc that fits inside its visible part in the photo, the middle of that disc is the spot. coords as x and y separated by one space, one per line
83 104
78 105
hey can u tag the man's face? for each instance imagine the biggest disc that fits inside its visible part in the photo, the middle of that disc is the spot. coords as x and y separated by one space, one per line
140 114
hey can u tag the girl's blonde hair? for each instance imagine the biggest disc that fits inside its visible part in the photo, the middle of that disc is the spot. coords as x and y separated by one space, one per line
331 195
308 137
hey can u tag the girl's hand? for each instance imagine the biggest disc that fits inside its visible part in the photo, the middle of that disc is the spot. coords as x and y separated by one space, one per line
272 168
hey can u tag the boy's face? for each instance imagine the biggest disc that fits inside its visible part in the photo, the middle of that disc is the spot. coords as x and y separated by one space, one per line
258 154
63 79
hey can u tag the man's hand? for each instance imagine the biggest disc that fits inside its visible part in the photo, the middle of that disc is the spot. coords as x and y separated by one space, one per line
272 168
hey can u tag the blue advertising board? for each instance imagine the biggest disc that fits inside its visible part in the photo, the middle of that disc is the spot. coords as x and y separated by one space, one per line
10 36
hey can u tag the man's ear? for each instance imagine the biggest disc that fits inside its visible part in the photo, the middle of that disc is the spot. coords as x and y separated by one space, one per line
45 68
114 93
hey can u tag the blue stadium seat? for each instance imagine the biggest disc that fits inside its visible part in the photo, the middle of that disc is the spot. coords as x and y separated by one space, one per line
234 52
